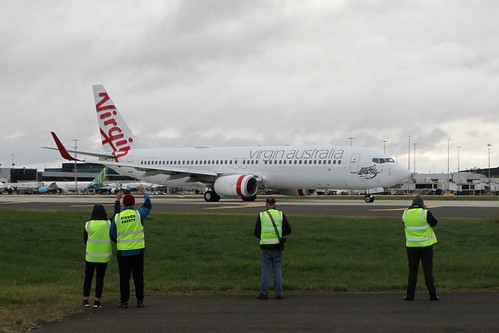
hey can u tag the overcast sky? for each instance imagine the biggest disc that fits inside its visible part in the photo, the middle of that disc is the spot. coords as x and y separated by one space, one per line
228 72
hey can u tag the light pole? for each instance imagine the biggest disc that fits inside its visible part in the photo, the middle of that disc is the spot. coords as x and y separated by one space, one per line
351 141
415 144
384 146
409 155
448 164
12 156
458 168
489 145
76 173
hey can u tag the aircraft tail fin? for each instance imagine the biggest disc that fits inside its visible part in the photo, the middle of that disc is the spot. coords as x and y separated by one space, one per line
117 137
100 178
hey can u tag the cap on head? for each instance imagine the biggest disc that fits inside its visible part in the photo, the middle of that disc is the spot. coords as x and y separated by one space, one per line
270 201
128 200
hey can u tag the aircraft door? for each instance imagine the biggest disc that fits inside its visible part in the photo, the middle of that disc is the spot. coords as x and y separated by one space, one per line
354 163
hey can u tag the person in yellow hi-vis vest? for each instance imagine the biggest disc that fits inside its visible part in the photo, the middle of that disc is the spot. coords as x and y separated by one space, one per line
98 253
419 240
127 230
271 226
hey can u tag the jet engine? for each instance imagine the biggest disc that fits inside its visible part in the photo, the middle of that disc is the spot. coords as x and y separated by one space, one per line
236 185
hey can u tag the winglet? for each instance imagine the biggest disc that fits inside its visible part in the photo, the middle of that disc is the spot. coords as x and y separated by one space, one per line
62 150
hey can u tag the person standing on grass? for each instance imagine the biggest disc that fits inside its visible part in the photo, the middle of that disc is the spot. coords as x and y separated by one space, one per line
271 226
127 230
98 253
420 237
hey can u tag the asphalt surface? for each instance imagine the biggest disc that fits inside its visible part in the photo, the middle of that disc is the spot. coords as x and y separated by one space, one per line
454 312
380 207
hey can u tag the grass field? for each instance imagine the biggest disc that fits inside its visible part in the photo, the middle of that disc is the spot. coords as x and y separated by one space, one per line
42 259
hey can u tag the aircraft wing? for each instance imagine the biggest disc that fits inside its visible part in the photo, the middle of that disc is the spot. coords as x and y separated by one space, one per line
193 175
65 153
86 153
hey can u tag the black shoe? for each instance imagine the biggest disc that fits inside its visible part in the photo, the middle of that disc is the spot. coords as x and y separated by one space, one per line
261 296
140 304
434 298
85 303
123 305
279 297
97 304
407 298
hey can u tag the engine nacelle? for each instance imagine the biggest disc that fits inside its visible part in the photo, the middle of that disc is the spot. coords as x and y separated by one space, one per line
43 189
298 192
236 185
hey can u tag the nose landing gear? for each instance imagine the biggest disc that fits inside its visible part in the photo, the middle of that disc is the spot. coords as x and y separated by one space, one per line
368 198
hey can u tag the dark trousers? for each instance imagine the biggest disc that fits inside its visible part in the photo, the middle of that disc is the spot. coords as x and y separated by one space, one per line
90 268
131 266
425 255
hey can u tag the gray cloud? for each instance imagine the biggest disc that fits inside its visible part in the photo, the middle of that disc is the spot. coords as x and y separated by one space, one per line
255 72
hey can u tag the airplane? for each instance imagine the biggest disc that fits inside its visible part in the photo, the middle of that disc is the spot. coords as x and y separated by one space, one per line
237 171
97 184
132 186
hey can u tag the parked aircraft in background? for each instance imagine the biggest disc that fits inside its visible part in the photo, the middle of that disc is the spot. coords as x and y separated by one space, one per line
132 186
238 171
3 187
96 185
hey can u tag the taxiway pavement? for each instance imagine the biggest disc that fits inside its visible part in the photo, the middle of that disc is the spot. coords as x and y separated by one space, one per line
388 208
366 312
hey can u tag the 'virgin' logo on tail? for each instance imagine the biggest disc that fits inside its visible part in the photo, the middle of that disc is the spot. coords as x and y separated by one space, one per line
112 134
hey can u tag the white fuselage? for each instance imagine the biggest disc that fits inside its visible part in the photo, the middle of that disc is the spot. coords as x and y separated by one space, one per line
277 167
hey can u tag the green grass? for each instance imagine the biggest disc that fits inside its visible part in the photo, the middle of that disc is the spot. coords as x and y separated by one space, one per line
42 259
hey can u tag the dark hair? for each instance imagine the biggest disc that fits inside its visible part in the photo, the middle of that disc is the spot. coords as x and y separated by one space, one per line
270 200
99 213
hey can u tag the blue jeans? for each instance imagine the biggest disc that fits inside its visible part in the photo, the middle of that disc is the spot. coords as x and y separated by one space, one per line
274 258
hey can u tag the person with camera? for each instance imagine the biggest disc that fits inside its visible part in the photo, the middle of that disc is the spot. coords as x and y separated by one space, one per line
271 226
420 238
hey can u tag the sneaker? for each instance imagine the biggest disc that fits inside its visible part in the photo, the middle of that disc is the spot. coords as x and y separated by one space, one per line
434 298
279 297
123 305
407 298
140 304
261 296
85 303
97 304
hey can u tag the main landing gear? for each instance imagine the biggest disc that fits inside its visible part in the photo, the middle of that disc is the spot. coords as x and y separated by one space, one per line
211 196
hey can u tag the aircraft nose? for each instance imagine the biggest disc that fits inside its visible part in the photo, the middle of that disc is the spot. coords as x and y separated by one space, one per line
404 172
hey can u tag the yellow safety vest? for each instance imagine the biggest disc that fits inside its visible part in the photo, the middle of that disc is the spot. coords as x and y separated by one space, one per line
418 233
129 230
268 235
98 243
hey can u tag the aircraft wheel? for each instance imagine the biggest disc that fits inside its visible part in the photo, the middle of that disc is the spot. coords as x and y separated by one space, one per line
211 196
369 198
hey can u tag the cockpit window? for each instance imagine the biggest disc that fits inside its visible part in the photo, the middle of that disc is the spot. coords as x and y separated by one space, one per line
383 160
